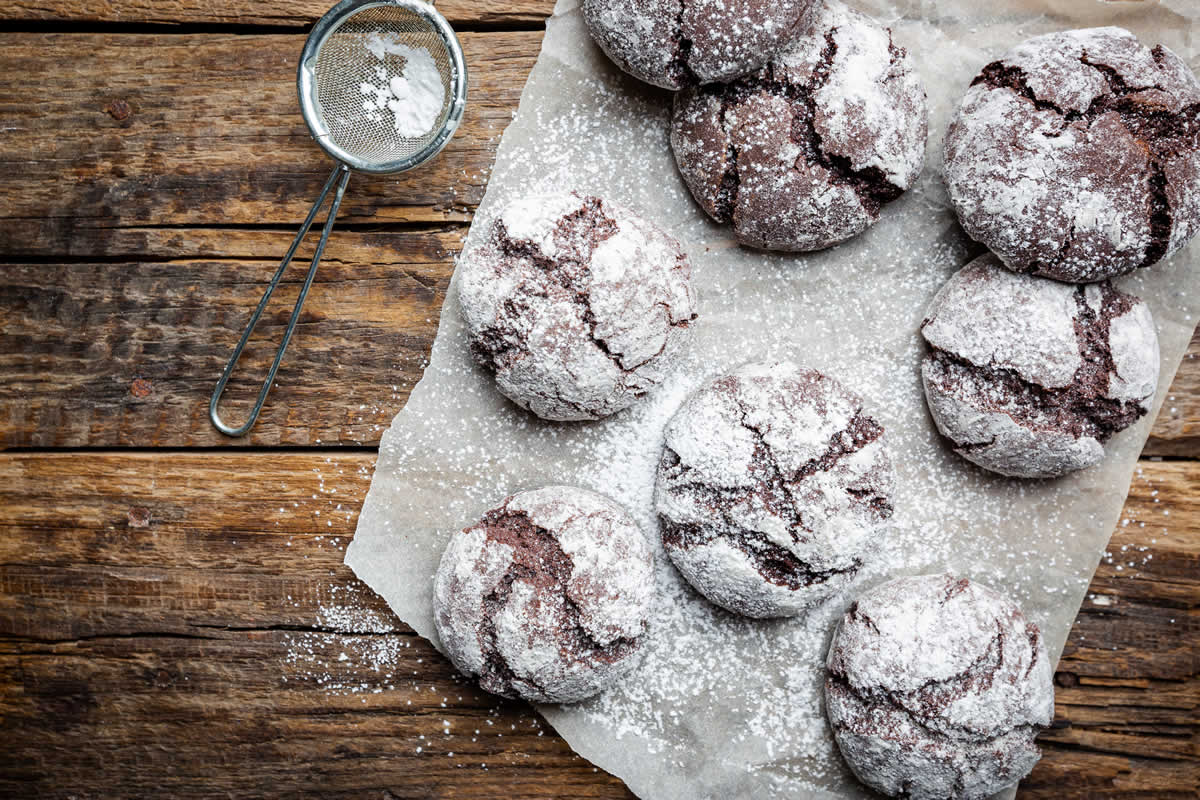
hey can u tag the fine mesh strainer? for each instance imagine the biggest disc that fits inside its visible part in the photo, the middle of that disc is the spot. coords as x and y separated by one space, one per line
365 120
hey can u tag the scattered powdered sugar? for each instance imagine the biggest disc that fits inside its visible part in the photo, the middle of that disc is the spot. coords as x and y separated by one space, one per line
415 97
721 704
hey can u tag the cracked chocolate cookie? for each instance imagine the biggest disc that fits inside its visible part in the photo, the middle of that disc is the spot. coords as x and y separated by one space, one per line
546 597
803 154
773 489
1077 155
1029 377
677 43
936 688
576 305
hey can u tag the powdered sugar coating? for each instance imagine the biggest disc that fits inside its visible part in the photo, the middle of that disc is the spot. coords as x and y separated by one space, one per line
773 489
936 688
676 43
547 597
802 154
1077 155
576 305
1029 377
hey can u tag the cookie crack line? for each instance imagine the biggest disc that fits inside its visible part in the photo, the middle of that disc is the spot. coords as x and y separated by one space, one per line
776 564
953 734
1145 122
961 683
556 272
731 180
496 674
554 562
679 67
869 184
1082 406
1083 415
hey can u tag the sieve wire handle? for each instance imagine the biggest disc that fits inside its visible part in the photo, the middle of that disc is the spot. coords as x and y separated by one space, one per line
340 176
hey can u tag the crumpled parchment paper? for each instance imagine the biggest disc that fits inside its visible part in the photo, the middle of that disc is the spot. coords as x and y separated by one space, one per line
721 706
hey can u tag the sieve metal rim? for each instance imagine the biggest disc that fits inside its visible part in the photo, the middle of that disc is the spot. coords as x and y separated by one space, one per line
310 107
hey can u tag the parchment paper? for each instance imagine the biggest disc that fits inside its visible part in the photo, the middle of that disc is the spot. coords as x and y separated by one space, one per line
725 707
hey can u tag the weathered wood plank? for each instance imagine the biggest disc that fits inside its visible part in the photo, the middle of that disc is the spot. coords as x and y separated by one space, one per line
162 613
1177 429
201 130
275 713
243 12
127 353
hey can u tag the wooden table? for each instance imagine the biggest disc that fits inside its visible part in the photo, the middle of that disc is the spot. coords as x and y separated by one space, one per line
175 618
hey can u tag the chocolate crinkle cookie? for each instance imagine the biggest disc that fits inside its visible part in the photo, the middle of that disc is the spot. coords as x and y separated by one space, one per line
1077 155
802 154
677 43
936 688
575 304
1029 377
546 597
773 489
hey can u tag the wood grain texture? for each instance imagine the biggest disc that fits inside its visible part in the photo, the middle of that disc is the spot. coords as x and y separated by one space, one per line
181 623
126 353
290 13
1177 429
161 130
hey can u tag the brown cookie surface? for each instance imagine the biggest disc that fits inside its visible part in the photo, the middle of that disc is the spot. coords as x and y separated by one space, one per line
546 597
802 154
677 43
1027 376
936 688
773 489
576 305
1077 155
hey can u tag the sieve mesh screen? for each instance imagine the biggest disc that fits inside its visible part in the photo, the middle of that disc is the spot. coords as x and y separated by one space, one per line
344 63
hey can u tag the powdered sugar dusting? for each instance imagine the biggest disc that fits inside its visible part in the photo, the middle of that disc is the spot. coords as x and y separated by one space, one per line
673 43
1028 376
872 93
547 596
1071 156
802 154
773 488
576 304
722 704
415 97
937 687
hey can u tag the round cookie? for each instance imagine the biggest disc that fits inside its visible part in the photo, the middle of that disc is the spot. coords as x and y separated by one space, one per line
802 154
575 304
774 487
936 688
546 597
677 43
1029 377
1077 155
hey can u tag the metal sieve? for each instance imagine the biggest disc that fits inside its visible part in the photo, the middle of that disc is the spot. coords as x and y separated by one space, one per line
345 70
